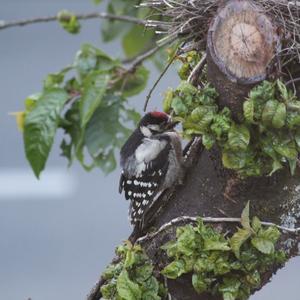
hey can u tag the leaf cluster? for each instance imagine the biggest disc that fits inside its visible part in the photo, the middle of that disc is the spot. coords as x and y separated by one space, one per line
132 277
88 101
267 138
230 267
134 38
68 21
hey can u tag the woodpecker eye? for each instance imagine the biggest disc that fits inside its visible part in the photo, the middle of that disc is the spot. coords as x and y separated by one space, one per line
154 127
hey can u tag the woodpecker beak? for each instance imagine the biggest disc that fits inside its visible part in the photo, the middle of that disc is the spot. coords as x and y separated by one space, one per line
171 124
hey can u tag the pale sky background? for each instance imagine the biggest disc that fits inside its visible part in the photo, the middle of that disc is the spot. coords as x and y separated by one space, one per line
59 233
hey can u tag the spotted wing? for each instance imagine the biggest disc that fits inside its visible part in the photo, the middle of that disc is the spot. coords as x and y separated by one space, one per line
142 188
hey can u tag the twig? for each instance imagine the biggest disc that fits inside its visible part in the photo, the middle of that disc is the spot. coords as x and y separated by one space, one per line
139 59
93 15
158 80
208 220
197 70
293 81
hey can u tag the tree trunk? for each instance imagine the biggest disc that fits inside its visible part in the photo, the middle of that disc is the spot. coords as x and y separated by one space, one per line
241 43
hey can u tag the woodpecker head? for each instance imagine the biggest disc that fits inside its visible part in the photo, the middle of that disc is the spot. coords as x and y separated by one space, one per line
155 123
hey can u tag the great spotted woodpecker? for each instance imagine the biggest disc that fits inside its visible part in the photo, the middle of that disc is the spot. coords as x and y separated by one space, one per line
152 162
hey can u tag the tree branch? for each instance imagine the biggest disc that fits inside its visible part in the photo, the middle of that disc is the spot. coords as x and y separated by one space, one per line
86 16
183 219
140 58
157 81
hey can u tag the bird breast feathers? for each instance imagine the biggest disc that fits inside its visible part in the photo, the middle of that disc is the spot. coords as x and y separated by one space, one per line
147 152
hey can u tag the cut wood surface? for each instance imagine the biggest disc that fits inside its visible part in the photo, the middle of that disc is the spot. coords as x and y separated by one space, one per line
241 43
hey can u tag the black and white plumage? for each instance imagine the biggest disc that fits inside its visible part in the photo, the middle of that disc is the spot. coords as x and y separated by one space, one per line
152 162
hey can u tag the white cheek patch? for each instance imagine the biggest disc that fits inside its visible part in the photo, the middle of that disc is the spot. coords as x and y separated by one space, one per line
145 131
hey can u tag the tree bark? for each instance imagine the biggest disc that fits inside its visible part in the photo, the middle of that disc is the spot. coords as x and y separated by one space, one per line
240 46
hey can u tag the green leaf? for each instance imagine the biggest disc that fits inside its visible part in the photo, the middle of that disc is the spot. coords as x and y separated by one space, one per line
263 245
274 114
262 92
20 119
174 270
238 137
283 90
178 106
109 272
186 88
245 218
279 117
234 160
222 266
256 224
254 279
127 289
203 265
297 139
238 239
199 283
130 260
230 288
104 131
171 248
293 119
186 240
40 127
108 290
53 80
71 126
215 245
152 287
208 141
111 29
248 107
168 101
106 162
293 165
133 83
68 21
287 149
143 273
137 40
89 58
221 125
271 233
95 86
266 239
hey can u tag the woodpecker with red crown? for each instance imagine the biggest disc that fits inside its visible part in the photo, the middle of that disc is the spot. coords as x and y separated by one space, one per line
152 161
